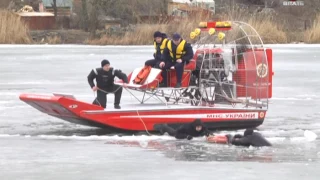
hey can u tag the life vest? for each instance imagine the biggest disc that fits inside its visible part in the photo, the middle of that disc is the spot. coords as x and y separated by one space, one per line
142 75
104 78
162 46
179 51
219 139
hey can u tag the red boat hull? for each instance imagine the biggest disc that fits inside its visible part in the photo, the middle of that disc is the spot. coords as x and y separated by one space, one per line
135 119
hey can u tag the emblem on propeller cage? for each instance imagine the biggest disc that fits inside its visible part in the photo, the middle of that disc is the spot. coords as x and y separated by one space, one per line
262 70
261 114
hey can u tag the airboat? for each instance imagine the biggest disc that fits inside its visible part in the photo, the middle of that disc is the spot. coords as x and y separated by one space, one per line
227 85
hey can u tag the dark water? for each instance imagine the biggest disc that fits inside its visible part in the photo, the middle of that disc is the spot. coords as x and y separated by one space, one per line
35 146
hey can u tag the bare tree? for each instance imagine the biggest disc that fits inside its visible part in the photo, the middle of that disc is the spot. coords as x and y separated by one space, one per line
4 3
271 3
164 7
55 8
93 17
84 15
130 11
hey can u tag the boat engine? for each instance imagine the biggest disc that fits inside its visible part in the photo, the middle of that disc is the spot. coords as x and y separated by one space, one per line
212 67
215 77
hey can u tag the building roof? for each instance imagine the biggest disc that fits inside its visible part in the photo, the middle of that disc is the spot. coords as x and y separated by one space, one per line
60 3
187 7
183 8
35 14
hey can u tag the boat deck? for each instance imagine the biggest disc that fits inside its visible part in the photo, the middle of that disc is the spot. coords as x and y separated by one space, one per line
150 106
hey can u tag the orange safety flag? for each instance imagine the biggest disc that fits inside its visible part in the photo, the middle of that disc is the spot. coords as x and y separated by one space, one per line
142 75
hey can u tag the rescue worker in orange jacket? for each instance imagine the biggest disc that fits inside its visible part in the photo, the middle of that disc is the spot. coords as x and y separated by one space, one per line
178 53
160 43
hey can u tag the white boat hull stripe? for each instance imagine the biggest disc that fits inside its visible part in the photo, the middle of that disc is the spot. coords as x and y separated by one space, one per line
247 115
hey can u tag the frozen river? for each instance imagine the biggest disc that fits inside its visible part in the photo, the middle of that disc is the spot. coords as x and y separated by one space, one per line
35 146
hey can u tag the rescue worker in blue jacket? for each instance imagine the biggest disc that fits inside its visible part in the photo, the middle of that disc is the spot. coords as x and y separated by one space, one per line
105 84
178 53
249 138
160 43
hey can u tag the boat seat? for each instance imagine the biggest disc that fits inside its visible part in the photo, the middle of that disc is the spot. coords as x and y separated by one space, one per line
191 66
151 80
188 68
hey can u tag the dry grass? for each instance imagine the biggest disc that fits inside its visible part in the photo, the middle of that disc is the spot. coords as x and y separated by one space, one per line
53 40
312 35
12 29
264 23
143 33
295 36
269 30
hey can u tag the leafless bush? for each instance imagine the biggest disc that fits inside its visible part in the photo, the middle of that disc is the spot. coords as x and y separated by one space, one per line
12 29
312 35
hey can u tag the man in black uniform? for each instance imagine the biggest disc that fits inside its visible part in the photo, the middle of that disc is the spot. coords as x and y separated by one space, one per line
249 138
186 131
105 83
177 53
